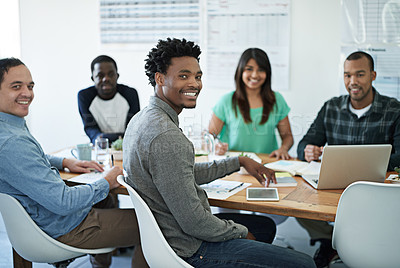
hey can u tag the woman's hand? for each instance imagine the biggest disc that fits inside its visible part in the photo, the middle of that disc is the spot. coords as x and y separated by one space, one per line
281 153
221 148
214 129
285 132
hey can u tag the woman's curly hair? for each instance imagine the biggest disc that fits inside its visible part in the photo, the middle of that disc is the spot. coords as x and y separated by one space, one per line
159 58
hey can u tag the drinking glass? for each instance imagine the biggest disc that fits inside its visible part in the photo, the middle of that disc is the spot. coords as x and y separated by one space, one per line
102 151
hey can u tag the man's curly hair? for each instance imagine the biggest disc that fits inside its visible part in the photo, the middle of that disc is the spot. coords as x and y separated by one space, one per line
159 58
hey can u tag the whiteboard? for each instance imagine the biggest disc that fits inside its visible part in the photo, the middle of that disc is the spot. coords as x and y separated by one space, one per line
373 26
222 28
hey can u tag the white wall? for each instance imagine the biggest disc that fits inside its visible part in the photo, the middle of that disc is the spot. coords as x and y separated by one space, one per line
60 38
9 29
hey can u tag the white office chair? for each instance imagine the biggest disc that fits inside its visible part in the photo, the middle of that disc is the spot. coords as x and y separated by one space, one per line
156 249
366 231
31 243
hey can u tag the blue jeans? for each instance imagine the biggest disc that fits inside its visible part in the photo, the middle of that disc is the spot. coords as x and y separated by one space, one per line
263 228
247 253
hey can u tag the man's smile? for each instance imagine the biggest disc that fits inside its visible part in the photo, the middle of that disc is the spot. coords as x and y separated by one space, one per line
190 92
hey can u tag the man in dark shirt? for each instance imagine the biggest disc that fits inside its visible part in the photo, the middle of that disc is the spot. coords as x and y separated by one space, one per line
107 107
361 117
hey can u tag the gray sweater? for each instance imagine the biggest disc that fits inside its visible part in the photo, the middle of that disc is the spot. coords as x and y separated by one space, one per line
159 160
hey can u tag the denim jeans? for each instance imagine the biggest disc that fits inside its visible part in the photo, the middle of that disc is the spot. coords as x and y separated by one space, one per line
247 253
263 228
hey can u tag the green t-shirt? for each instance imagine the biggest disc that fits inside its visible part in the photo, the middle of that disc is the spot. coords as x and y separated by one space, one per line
251 137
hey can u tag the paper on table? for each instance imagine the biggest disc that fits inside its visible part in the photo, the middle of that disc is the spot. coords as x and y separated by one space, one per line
87 177
313 168
295 167
284 182
92 176
284 179
221 189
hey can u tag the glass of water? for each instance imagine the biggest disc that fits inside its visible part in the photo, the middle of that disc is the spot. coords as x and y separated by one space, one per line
102 151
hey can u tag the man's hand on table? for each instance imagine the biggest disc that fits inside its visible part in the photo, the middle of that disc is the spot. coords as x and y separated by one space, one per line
111 176
260 172
81 166
312 152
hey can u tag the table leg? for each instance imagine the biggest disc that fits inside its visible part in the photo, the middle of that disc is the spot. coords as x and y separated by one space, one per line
20 262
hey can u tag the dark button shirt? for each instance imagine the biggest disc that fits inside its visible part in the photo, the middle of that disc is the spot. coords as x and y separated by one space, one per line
337 125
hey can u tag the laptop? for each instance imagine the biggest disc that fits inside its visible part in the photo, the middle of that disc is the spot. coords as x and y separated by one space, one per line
342 165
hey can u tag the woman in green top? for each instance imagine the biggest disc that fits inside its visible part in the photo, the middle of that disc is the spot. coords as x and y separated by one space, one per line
247 117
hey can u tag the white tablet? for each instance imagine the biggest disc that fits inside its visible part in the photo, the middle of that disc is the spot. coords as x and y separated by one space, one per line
262 194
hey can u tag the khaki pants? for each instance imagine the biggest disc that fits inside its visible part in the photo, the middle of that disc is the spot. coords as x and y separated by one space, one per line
107 227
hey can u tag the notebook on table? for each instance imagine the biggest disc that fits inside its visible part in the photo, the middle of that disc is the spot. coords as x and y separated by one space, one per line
342 165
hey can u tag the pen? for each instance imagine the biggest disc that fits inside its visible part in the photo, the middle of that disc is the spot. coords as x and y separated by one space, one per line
237 186
112 160
265 182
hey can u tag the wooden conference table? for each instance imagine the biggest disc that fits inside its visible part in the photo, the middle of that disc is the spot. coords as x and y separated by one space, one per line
302 201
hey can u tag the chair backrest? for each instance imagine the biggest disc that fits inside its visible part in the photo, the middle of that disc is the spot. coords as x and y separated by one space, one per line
156 249
366 232
30 242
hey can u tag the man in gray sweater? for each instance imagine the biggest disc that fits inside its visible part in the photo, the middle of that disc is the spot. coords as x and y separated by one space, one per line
159 160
